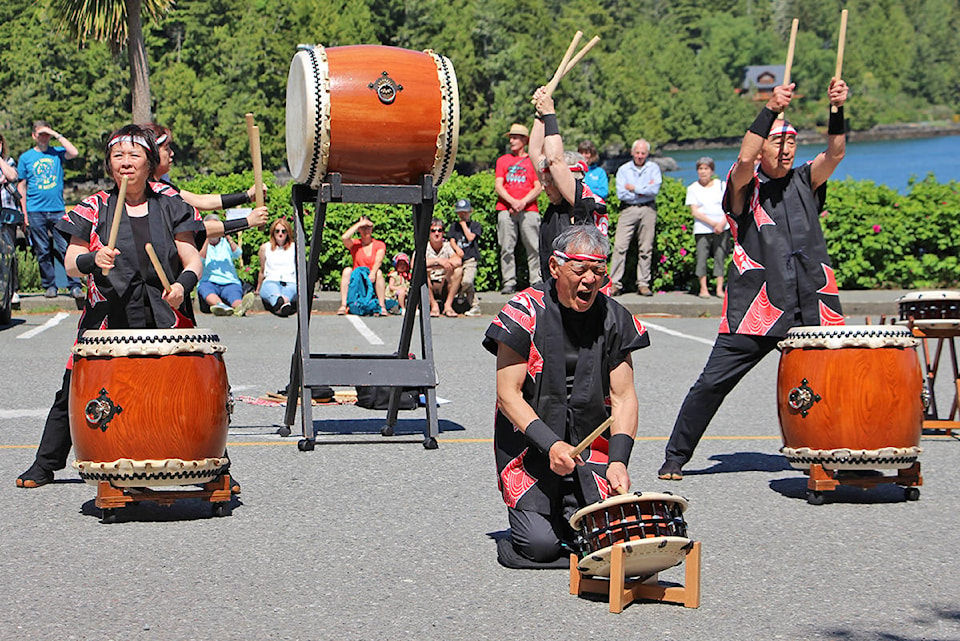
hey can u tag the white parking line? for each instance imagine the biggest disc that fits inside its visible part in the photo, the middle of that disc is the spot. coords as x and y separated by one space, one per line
53 322
674 332
364 331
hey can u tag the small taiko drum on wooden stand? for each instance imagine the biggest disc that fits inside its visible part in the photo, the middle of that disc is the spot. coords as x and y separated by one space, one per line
634 535
850 397
149 407
373 114
938 309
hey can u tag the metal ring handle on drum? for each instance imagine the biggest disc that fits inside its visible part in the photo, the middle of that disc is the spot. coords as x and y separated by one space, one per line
386 88
101 410
802 398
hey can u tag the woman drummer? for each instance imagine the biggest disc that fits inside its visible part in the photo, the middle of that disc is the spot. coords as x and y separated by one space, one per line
130 296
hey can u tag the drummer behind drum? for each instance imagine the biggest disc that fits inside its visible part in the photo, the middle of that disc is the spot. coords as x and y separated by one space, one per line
563 367
131 295
781 275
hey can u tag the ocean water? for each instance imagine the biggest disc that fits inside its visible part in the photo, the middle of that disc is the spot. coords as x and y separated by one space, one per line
886 162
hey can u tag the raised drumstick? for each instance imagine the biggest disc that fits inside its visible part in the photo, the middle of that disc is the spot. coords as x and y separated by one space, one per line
148 247
787 69
552 85
585 443
841 41
115 224
253 133
580 54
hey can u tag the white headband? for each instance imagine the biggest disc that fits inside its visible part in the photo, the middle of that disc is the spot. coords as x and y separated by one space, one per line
139 140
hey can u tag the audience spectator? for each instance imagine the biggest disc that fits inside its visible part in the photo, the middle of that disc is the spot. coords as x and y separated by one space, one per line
444 271
710 227
595 178
366 252
517 189
12 216
398 281
464 237
277 283
220 285
638 183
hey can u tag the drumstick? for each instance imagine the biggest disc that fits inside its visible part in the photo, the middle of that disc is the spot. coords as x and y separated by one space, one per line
787 69
148 247
841 41
115 225
585 443
552 85
253 133
580 54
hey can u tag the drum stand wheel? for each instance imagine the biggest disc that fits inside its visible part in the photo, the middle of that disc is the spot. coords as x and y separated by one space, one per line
110 499
822 480
622 592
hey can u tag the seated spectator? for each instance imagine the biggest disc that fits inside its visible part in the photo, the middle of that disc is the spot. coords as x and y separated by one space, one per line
464 236
277 284
366 252
220 286
398 280
444 271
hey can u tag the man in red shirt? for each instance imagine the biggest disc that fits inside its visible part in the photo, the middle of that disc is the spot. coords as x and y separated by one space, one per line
517 189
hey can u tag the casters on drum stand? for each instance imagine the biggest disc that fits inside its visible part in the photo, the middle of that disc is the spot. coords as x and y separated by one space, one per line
386 430
815 498
430 443
108 515
306 444
911 493
284 430
222 509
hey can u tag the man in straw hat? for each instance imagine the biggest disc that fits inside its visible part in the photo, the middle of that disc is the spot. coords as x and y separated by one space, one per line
562 350
517 189
781 275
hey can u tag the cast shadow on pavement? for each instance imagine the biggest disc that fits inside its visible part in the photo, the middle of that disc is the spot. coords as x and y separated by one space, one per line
13 323
743 462
403 427
927 620
796 488
188 509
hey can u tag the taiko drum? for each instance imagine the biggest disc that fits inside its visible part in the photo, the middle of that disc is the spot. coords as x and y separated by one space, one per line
373 114
149 407
850 397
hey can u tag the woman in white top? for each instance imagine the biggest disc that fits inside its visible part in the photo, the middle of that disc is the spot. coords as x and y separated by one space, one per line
277 284
710 227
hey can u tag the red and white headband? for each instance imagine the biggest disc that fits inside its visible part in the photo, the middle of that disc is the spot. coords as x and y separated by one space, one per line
782 128
565 256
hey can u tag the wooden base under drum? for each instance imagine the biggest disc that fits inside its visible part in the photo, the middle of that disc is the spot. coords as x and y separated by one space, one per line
822 480
622 592
216 492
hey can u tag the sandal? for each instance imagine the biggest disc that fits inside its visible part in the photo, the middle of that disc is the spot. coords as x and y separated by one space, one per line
342 310
449 313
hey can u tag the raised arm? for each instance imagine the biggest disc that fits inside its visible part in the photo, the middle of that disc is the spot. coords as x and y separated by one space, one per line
553 147
826 161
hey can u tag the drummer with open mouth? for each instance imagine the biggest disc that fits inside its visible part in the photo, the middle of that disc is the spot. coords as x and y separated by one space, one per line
781 275
563 367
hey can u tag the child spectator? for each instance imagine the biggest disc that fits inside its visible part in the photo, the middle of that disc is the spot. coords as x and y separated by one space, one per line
464 237
398 281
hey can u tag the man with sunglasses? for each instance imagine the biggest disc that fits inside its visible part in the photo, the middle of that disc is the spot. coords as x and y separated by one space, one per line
444 271
563 367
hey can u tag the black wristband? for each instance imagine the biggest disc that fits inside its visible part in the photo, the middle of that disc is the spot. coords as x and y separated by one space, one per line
540 435
550 126
188 279
763 122
835 126
237 224
87 263
232 200
620 447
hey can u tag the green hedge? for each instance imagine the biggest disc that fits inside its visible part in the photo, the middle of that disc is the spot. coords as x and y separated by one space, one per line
877 237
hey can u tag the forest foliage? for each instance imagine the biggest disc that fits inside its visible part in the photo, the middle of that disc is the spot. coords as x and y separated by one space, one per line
667 70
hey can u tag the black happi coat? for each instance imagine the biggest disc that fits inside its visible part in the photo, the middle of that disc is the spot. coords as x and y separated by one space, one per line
532 324
118 300
780 266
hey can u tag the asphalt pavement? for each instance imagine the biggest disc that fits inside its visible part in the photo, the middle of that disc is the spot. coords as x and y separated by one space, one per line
371 537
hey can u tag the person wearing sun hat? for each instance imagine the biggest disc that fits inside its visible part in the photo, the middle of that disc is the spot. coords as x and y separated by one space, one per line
398 282
781 275
517 189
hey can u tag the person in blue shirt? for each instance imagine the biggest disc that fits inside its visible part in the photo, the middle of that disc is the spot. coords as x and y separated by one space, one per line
595 178
220 286
638 183
41 190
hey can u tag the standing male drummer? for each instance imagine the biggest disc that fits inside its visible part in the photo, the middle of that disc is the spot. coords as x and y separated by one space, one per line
563 367
781 275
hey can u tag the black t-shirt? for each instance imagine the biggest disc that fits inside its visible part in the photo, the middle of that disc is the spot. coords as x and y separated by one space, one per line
470 249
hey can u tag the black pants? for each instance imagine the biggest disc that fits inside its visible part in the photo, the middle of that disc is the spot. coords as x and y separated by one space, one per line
541 538
732 357
55 443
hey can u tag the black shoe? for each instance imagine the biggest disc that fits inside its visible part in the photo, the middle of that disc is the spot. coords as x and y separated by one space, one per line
35 476
51 292
670 471
287 309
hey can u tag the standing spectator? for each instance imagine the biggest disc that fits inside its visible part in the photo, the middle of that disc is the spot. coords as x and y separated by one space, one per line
638 183
464 235
220 286
368 252
10 199
595 178
710 227
444 271
517 189
41 188
277 284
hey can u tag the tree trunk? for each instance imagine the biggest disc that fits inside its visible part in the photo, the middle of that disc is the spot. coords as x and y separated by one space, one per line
139 69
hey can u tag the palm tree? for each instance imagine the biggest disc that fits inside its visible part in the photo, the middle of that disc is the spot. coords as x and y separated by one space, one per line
116 22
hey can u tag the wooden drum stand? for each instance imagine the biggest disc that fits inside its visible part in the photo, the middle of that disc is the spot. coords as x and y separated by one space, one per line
110 498
943 332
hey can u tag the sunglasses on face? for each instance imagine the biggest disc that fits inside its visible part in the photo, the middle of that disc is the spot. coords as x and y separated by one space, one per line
279 231
437 230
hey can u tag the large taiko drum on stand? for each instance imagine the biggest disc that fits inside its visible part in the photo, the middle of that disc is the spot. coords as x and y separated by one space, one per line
850 397
649 526
149 407
373 114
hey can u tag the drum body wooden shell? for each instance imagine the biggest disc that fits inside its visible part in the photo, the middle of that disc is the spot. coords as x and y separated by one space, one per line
850 397
173 397
649 526
374 114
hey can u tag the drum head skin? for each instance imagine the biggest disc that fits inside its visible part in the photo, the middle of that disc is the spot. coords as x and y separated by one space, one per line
841 336
642 558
